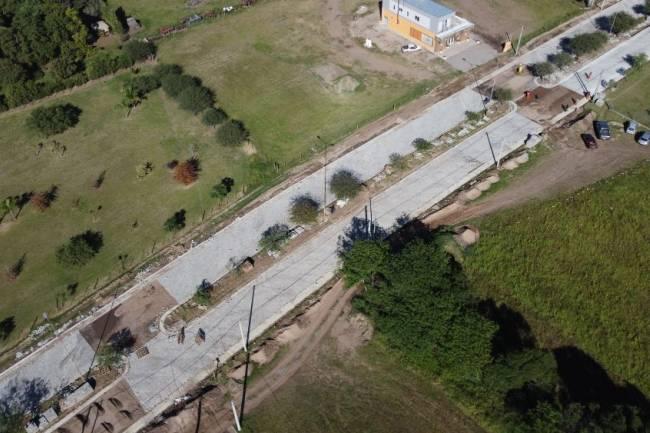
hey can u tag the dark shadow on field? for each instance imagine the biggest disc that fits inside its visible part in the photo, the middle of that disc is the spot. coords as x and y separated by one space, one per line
603 23
514 332
409 231
23 396
586 381
360 229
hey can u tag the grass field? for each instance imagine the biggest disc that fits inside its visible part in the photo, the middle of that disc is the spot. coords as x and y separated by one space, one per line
370 392
580 262
631 98
262 76
154 14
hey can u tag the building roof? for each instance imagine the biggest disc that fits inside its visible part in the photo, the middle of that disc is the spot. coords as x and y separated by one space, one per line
429 7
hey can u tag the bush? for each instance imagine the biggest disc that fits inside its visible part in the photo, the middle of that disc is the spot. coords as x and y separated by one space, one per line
475 116
223 188
421 144
502 94
143 84
398 161
164 69
187 172
54 119
139 50
304 210
80 249
195 99
11 73
345 185
561 60
214 116
102 63
621 22
586 43
542 69
638 61
175 222
174 84
22 93
365 259
232 133
202 294
274 237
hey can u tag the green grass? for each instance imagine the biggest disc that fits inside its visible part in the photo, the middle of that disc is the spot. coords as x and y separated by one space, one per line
580 262
371 392
630 98
549 14
154 14
262 76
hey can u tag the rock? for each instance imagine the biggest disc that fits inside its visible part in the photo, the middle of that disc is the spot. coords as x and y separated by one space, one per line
483 186
510 165
493 179
522 159
472 194
467 237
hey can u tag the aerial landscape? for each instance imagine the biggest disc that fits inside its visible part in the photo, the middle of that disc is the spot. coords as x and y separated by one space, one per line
324 216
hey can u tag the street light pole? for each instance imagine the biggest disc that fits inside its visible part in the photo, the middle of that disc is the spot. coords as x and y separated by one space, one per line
491 150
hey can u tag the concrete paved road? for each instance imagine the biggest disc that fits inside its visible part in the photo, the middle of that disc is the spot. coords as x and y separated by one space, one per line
170 368
608 66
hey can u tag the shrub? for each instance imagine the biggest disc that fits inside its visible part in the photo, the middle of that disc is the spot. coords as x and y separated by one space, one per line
542 69
345 184
223 188
143 170
621 22
164 69
474 116
214 116
586 43
80 249
365 259
421 144
561 59
502 94
202 294
175 222
139 50
274 237
397 161
174 84
102 63
187 172
11 73
22 93
304 210
195 99
232 133
54 119
143 84
638 61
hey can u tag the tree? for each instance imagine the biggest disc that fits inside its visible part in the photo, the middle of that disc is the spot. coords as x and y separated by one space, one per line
80 249
345 184
398 161
112 352
175 222
202 294
638 61
164 69
195 99
621 22
304 210
144 84
54 119
274 237
474 116
542 69
102 63
561 59
214 116
223 188
363 261
421 144
67 63
174 84
11 72
503 94
187 172
139 50
646 7
586 43
232 133
7 326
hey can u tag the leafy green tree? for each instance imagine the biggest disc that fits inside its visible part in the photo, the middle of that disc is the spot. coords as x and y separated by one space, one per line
111 353
542 70
54 119
11 421
304 210
163 69
11 72
421 144
102 63
139 50
223 188
202 294
144 84
621 22
345 184
503 94
232 133
174 84
274 237
175 222
214 116
363 261
586 43
561 59
22 92
195 99
398 161
80 249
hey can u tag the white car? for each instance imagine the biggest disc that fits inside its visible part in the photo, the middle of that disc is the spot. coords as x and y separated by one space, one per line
228 9
410 48
644 139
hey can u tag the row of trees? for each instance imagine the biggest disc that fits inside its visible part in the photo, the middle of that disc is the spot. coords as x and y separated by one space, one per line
419 301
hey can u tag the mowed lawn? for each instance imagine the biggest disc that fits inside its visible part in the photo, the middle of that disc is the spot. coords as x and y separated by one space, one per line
259 64
581 263
154 14
370 391
631 98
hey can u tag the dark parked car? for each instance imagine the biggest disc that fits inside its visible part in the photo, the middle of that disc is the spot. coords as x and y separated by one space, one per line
602 130
589 141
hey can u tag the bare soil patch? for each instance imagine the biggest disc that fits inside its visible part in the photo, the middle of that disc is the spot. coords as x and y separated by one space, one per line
544 103
140 313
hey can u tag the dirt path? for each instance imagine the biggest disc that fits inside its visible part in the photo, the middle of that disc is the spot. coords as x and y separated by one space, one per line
348 51
567 168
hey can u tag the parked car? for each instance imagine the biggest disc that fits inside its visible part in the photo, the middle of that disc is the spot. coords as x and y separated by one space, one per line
602 130
630 127
589 140
410 48
644 139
